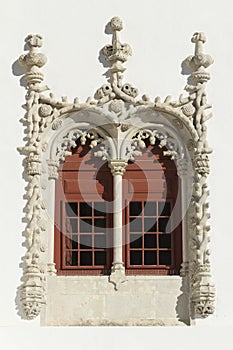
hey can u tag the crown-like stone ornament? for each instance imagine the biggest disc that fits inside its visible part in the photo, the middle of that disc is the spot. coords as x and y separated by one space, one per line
116 54
32 62
199 61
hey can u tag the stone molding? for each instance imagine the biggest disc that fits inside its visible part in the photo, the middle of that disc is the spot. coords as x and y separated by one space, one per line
117 104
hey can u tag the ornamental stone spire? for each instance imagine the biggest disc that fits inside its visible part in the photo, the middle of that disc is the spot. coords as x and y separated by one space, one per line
116 54
199 61
32 62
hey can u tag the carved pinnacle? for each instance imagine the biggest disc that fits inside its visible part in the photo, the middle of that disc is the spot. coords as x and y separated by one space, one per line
199 61
33 61
117 52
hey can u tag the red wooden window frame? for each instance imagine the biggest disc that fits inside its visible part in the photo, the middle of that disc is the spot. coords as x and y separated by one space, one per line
96 183
145 182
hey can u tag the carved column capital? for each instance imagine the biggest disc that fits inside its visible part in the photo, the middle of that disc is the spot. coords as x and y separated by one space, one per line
117 166
53 166
184 167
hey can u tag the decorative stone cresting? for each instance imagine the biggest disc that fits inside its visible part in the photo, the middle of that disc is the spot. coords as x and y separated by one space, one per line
117 101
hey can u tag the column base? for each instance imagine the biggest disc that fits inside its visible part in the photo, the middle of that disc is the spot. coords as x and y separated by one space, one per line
51 270
184 271
117 276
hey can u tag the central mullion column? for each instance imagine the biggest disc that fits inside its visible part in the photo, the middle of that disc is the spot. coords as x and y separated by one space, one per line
118 168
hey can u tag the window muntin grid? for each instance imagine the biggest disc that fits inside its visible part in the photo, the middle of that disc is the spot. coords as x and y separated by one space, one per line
150 244
84 238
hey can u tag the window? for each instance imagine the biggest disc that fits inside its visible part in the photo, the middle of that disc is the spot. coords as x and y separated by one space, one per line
84 198
153 243
149 241
83 231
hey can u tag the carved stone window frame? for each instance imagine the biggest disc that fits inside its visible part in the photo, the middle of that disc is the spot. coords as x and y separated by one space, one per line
117 125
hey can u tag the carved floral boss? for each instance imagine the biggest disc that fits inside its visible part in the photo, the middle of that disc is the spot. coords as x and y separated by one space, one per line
118 100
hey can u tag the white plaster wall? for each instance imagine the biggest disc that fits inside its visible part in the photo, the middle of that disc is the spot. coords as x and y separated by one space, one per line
159 32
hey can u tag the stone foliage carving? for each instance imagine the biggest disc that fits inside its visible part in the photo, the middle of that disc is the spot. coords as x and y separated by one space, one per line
118 100
201 285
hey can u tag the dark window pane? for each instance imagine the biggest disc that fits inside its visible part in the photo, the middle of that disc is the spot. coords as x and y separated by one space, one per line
85 225
100 258
150 209
71 258
71 209
164 225
99 209
135 241
86 258
165 241
74 242
135 257
164 209
85 209
100 241
135 225
135 208
85 241
100 225
149 225
71 226
150 257
149 241
165 257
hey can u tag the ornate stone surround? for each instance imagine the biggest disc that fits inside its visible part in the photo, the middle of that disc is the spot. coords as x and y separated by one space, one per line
117 124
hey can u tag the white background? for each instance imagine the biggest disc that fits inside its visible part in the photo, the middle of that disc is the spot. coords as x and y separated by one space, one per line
159 33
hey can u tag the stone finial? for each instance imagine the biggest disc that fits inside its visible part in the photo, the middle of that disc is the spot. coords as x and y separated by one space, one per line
117 52
199 61
33 61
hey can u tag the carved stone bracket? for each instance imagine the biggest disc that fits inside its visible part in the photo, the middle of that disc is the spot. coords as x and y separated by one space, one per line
117 276
49 139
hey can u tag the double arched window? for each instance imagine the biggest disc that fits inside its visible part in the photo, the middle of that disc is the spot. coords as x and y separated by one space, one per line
151 242
117 193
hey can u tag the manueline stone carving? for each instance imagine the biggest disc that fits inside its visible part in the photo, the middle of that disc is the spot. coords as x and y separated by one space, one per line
116 54
201 285
45 121
152 135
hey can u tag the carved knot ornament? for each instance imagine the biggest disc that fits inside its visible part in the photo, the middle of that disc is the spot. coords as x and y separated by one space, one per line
117 125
